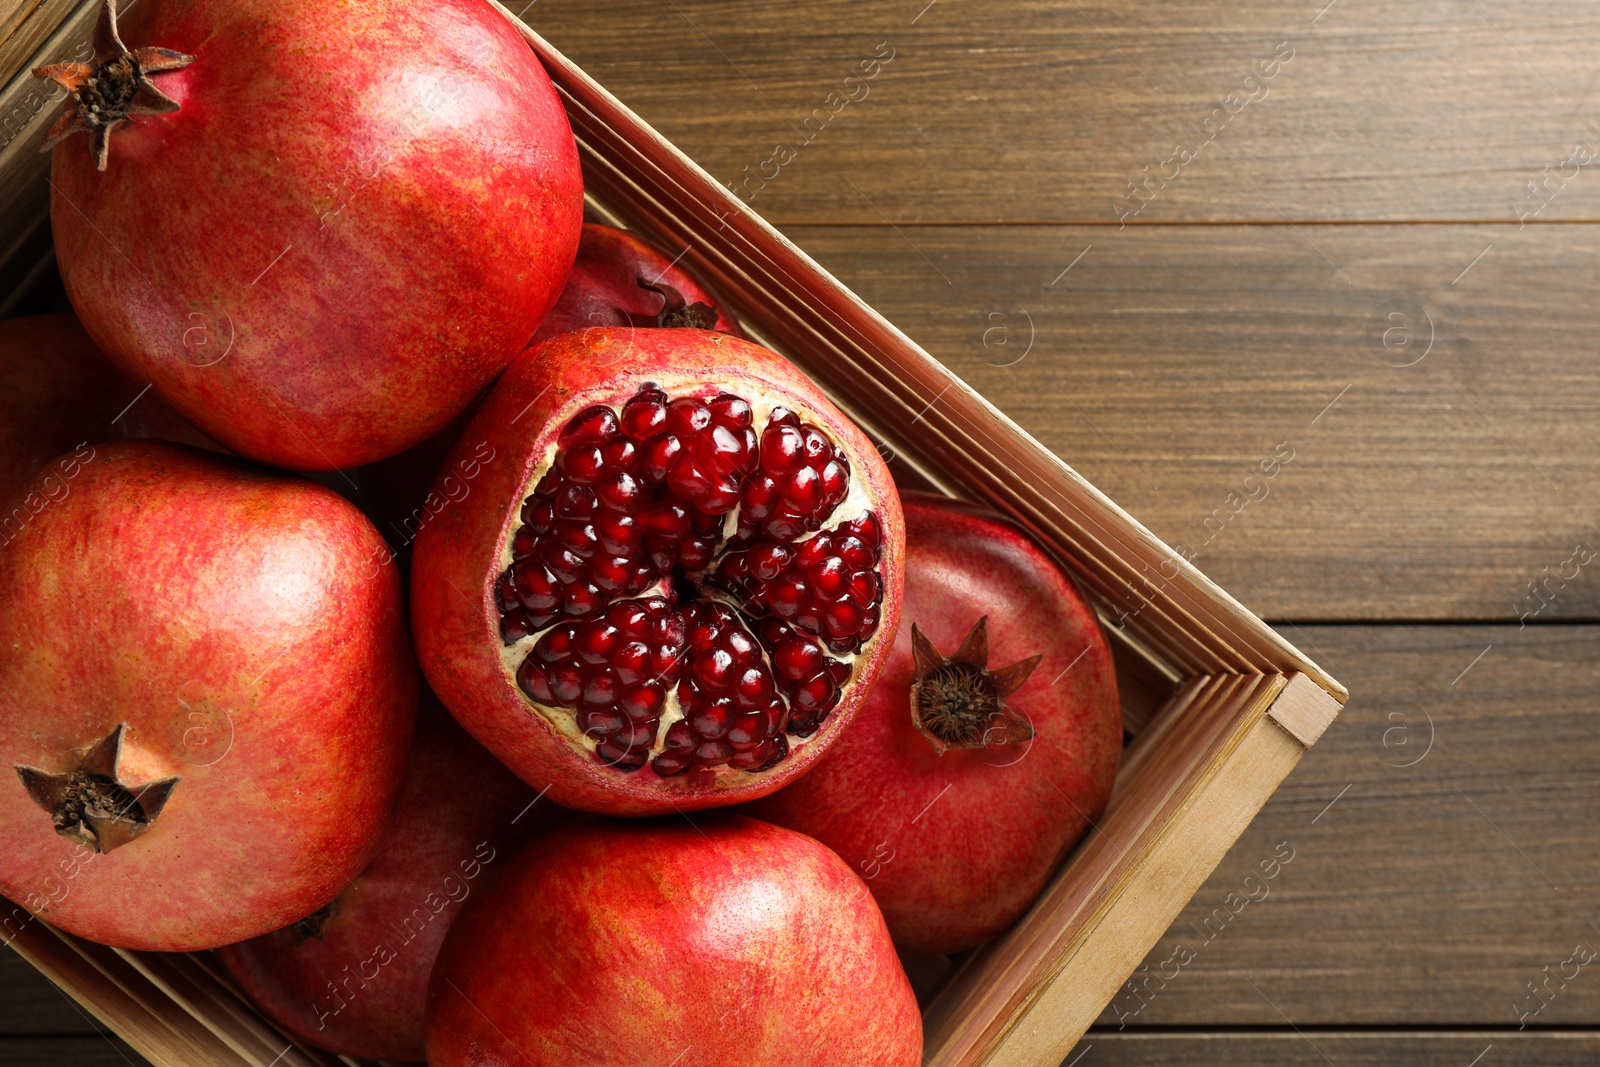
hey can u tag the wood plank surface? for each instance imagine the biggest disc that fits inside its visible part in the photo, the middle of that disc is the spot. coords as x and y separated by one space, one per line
1035 110
1427 885
1169 363
30 1004
66 1051
1318 1048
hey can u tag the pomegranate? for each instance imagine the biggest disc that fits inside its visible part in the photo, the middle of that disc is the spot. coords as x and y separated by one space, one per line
675 586
620 279
725 941
352 976
986 748
207 695
319 229
58 392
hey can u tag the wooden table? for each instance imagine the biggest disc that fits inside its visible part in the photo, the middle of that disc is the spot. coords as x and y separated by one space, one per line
1172 239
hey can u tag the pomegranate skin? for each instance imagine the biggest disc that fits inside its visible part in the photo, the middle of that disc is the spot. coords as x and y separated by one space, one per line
235 621
604 289
57 391
358 986
613 944
955 847
458 553
356 219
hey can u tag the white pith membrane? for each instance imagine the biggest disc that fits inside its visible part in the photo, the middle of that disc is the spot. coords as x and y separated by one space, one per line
857 503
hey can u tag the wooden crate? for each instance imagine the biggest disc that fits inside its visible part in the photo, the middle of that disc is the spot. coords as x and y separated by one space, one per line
1220 707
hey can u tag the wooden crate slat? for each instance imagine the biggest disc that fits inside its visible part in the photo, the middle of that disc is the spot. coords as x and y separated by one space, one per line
977 1012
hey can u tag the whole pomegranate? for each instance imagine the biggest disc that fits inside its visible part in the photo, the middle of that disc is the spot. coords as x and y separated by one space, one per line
674 586
58 392
620 279
352 976
719 943
986 748
206 697
319 228
603 290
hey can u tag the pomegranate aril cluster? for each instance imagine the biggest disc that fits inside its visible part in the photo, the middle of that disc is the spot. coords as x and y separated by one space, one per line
828 585
640 496
731 710
811 681
802 477
611 669
627 500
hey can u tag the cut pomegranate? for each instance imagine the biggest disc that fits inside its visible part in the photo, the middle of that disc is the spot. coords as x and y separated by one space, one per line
697 583
638 498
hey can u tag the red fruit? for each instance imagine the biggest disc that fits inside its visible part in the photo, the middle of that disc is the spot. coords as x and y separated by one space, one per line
352 977
206 696
323 228
969 774
542 599
620 279
628 943
58 392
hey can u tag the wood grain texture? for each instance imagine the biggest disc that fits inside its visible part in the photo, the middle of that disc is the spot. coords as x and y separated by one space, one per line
24 26
1318 1048
1042 111
1428 894
1170 363
66 1052
30 1004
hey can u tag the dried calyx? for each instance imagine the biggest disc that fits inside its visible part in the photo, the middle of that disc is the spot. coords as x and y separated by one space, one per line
958 702
90 804
676 312
112 89
311 926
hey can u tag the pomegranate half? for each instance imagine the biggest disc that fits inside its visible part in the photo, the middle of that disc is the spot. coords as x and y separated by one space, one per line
319 228
675 587
205 700
988 746
720 943
352 977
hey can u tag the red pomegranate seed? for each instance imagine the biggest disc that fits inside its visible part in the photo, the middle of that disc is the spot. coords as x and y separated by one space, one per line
713 753
730 410
642 702
712 720
687 416
592 425
680 739
599 722
621 756
645 414
670 763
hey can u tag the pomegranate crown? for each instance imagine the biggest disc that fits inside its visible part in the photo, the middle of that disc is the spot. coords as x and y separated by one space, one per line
91 804
677 312
112 89
958 702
